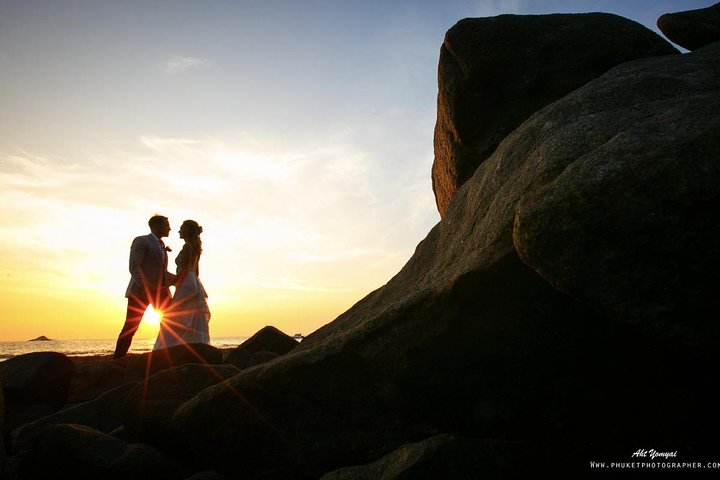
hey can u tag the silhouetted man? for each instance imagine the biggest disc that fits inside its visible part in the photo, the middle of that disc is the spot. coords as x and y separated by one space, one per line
149 282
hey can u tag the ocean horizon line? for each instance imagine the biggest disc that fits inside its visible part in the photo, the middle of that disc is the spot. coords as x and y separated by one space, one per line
100 339
95 347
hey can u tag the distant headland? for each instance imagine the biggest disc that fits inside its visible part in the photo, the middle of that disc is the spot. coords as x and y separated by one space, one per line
41 338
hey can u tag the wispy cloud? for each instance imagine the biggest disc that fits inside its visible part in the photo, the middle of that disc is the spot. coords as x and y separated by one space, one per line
298 208
161 144
313 223
179 64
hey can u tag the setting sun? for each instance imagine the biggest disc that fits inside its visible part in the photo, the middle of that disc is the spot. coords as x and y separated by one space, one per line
152 317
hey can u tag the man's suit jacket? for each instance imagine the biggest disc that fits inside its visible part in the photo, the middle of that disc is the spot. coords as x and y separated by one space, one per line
148 267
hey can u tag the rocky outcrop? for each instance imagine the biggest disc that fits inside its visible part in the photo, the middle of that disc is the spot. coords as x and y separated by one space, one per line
142 366
270 339
207 475
629 226
92 379
151 404
447 456
34 385
692 29
240 358
73 451
2 429
102 413
492 331
495 72
37 378
41 338
105 424
98 411
243 359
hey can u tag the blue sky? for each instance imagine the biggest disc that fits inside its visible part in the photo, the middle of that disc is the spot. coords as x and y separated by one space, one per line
298 133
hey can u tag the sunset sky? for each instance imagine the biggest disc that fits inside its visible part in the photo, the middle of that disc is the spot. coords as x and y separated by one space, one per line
298 133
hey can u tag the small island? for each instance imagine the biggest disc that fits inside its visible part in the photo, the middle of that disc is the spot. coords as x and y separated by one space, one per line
41 338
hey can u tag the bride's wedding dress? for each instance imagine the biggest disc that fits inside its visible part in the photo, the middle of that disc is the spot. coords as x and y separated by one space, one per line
187 319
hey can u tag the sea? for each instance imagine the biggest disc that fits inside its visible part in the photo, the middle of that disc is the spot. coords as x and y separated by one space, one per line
85 348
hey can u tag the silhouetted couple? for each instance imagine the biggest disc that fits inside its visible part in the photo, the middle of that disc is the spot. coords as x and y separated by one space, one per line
184 316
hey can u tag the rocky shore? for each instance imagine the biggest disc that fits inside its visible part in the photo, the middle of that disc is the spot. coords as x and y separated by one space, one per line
100 410
563 311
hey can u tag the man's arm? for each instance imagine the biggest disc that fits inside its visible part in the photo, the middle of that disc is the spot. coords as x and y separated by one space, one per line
170 278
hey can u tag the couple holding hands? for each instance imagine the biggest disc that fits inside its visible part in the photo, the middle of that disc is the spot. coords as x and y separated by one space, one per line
184 315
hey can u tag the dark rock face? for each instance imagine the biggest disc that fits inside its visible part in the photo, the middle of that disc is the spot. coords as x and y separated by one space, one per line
261 405
270 339
147 364
150 406
630 226
262 357
102 413
243 359
2 442
74 451
471 340
496 72
34 385
37 378
692 29
207 475
93 379
240 358
447 456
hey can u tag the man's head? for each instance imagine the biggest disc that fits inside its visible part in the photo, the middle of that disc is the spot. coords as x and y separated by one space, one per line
159 225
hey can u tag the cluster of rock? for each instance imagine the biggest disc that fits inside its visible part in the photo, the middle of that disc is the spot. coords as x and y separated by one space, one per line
496 72
103 418
563 311
692 29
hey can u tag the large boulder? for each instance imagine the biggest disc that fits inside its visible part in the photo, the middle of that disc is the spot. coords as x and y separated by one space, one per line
692 29
240 358
37 378
103 413
270 406
34 385
77 452
495 72
630 226
150 406
92 378
142 366
270 339
243 359
470 340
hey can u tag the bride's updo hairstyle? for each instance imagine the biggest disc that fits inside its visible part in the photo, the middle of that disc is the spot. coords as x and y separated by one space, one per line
191 233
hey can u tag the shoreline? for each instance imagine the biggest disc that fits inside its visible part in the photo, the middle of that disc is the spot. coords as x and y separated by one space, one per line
94 348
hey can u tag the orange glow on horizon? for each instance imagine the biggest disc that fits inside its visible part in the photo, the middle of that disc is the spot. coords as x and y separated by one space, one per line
275 263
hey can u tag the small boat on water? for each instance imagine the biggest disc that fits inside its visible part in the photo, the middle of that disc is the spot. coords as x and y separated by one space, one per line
298 336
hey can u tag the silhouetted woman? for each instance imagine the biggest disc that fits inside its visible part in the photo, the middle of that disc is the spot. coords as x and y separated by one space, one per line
187 319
